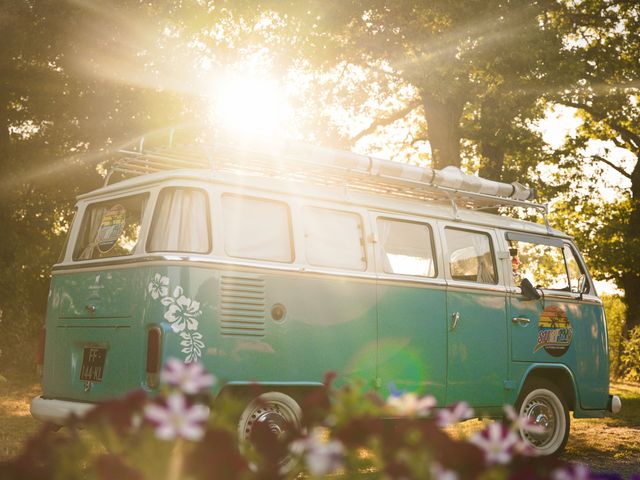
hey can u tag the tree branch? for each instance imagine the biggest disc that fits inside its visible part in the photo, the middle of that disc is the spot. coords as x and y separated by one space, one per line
386 120
632 138
617 168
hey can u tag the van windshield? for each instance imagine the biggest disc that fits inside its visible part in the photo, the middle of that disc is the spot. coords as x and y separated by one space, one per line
111 228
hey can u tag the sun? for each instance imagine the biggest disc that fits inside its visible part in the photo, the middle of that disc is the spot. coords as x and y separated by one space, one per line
250 103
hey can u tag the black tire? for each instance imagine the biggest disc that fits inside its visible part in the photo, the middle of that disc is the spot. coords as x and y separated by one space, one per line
266 426
543 403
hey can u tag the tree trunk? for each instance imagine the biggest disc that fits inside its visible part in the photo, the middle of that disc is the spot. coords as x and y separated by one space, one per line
443 129
631 278
493 163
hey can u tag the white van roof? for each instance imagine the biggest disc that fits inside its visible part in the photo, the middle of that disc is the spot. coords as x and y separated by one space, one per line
436 208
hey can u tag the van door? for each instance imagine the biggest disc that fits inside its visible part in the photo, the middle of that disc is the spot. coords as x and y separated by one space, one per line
476 302
411 307
564 326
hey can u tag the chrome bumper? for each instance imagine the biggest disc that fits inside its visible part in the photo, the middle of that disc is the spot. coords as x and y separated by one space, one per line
57 411
615 404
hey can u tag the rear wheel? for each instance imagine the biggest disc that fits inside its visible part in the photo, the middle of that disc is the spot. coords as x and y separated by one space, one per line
543 404
266 426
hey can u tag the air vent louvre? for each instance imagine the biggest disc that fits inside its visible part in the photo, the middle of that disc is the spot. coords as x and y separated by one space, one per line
242 306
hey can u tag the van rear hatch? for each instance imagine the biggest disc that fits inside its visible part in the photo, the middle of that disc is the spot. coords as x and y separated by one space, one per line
95 335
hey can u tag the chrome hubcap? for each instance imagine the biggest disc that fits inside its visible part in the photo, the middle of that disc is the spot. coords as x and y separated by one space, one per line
540 413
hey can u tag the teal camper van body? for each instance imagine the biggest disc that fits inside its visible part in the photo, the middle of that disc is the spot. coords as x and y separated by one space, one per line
275 268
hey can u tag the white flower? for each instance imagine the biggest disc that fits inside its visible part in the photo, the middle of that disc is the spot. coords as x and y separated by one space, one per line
521 423
177 419
159 286
438 472
322 456
410 405
497 442
191 378
459 412
578 472
182 313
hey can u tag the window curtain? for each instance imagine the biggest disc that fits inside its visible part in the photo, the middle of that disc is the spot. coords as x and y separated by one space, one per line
481 245
180 222
95 219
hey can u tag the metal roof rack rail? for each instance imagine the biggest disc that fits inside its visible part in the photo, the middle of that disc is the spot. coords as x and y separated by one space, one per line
300 162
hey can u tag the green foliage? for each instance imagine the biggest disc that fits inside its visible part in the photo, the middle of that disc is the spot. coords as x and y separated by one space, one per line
615 311
630 358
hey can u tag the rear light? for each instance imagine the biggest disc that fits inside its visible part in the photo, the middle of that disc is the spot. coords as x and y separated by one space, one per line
40 352
154 349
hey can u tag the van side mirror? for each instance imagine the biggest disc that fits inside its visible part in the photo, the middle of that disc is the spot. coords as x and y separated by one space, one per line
528 290
583 285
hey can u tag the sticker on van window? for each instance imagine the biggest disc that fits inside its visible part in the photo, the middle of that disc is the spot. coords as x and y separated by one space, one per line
554 332
111 227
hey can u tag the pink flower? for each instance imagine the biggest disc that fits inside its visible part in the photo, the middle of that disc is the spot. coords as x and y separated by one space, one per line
191 378
410 405
322 456
497 442
177 419
521 423
576 472
438 472
459 412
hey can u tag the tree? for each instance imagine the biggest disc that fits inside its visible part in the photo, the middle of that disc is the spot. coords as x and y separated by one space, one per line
606 39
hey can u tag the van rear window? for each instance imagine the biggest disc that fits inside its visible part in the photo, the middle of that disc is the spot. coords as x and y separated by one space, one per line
111 228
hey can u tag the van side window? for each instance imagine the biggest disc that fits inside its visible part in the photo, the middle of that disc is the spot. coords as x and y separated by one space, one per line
111 228
334 238
407 247
549 264
257 228
180 222
470 256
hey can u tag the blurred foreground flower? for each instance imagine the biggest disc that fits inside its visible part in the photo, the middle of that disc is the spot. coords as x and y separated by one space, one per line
521 423
321 455
457 413
191 378
438 472
573 472
177 419
497 442
410 405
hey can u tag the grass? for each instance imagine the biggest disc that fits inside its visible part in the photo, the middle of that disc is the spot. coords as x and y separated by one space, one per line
605 444
16 423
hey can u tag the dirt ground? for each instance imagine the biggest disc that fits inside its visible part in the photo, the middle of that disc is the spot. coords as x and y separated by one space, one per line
605 444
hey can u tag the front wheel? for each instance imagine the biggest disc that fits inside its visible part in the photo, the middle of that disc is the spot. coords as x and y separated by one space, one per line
266 426
542 404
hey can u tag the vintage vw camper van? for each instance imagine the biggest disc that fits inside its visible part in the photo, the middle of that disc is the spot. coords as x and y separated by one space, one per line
274 265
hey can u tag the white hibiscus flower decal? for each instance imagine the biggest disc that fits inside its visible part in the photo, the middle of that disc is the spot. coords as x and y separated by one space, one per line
182 312
159 286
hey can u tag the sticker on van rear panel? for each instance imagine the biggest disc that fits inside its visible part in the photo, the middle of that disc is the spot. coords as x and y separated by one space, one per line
111 227
554 332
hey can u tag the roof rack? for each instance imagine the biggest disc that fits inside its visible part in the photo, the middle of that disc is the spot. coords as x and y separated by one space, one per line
295 161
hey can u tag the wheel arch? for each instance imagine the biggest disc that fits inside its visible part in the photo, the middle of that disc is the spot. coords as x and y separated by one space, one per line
560 375
296 390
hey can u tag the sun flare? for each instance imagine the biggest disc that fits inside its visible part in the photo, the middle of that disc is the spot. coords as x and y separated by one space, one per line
249 104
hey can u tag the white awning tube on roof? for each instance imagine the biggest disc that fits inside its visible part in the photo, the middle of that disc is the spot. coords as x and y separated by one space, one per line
451 177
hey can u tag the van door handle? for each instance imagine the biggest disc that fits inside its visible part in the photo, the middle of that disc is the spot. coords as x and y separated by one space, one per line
521 320
455 316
